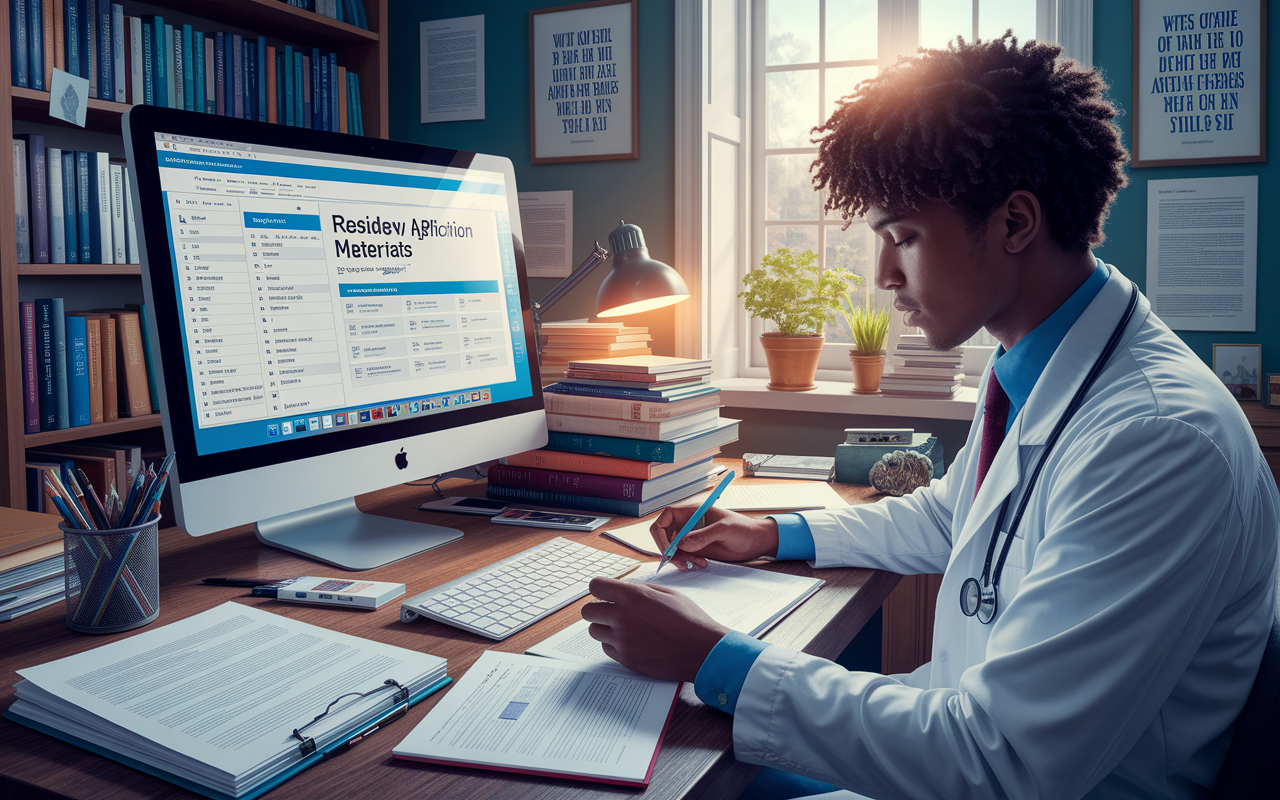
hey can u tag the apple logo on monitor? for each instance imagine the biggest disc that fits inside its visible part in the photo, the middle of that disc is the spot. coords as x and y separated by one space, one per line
402 460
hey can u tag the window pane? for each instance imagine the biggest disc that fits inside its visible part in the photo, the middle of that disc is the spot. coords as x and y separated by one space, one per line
796 238
792 107
851 29
854 249
994 16
792 32
841 82
941 20
788 191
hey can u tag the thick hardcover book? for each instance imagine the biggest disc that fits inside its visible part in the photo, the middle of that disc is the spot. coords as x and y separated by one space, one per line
237 76
322 68
250 79
20 50
57 207
288 85
662 430
635 411
271 85
220 74
174 78
85 205
130 227
603 465
131 366
605 486
179 69
342 100
646 365
308 93
153 391
118 34
358 105
70 206
52 45
188 70
261 75
118 242
598 505
137 66
106 61
77 371
726 431
93 337
21 206
37 196
148 61
75 42
35 42
157 64
197 70
89 24
103 404
660 395
46 370
58 327
210 78
100 245
30 374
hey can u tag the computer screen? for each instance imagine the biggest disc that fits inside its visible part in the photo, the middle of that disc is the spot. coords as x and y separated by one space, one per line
349 310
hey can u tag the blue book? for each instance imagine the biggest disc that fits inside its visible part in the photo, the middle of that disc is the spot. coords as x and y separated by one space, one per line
46 382
35 36
219 75
188 72
106 60
250 80
19 49
173 81
668 452
71 47
230 78
237 76
360 15
89 48
37 198
58 325
322 67
288 117
262 79
333 92
159 60
84 202
353 123
148 63
197 69
70 206
317 115
301 106
355 80
77 371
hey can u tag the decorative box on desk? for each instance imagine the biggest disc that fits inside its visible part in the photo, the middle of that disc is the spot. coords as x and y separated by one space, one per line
854 460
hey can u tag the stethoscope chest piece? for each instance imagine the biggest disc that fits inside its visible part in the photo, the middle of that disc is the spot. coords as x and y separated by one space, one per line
978 600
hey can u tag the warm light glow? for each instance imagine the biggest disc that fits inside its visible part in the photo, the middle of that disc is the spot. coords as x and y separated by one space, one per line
643 305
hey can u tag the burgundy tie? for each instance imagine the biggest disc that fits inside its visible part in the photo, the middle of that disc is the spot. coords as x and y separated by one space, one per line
995 414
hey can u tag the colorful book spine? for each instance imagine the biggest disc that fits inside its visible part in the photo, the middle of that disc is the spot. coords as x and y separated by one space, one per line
144 332
182 50
355 83
30 379
197 70
210 78
19 47
131 228
48 28
118 243
35 42
288 85
99 211
58 324
170 62
89 28
45 369
179 70
616 446
302 108
106 61
77 372
333 91
93 329
545 480
72 248
262 78
21 207
118 72
637 411
273 77
57 207
317 113
110 389
322 66
220 72
37 196
71 29
147 67
237 76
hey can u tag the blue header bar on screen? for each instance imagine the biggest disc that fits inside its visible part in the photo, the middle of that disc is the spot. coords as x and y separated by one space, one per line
416 287
284 169
292 222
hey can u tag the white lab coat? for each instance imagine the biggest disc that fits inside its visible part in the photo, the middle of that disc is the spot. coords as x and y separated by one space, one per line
1134 606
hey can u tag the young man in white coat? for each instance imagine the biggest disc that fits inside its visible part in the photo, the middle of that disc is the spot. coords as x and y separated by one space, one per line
1115 634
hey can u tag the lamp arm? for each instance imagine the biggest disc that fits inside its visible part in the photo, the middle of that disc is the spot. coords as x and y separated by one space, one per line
594 259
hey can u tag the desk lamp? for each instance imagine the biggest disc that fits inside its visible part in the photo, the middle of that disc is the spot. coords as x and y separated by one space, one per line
636 283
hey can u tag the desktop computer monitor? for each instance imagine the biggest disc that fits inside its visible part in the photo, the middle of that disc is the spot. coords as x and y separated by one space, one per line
331 315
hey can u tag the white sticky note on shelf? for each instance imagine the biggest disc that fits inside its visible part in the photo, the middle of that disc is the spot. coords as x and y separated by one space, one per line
68 97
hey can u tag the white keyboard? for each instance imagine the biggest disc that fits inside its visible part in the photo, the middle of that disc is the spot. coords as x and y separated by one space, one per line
512 594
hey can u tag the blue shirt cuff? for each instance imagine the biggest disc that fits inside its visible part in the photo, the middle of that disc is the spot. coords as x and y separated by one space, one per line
795 540
720 679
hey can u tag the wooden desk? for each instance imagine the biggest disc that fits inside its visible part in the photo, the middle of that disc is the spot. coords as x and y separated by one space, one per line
696 758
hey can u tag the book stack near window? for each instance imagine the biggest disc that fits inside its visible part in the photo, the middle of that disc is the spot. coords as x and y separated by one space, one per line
31 563
919 371
563 342
627 436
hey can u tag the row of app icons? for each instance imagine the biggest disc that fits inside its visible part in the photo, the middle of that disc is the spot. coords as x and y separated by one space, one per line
376 414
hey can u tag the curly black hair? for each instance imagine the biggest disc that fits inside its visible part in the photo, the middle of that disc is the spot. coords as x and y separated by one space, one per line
968 125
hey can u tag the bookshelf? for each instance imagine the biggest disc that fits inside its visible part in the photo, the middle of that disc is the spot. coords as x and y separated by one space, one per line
364 51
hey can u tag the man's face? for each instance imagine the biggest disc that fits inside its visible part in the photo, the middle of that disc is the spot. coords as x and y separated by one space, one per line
940 272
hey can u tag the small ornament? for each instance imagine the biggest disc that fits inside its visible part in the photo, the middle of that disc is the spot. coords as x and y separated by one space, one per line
901 472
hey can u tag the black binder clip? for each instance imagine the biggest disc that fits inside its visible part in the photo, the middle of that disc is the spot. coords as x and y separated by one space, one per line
307 745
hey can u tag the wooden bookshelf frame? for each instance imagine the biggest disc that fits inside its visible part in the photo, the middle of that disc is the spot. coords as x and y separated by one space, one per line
364 51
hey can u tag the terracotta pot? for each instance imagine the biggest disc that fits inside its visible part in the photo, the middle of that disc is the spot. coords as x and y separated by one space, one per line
867 370
793 360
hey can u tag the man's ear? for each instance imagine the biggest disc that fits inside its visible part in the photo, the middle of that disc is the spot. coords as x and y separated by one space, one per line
1020 219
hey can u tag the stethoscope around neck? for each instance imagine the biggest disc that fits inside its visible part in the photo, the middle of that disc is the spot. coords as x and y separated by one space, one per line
979 597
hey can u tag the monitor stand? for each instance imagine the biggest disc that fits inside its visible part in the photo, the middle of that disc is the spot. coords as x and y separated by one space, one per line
340 534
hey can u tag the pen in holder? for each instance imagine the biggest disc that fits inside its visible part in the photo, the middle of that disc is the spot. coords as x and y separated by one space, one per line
112 577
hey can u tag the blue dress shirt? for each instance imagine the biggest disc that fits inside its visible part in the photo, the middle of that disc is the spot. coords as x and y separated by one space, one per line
719 681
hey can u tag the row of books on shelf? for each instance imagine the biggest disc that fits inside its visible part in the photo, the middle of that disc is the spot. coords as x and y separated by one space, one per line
348 11
143 60
31 565
102 466
916 370
626 436
84 367
71 207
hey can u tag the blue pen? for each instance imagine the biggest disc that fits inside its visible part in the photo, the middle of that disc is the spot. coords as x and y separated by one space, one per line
688 526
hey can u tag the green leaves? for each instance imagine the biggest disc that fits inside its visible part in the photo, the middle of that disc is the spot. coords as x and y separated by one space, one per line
793 294
869 328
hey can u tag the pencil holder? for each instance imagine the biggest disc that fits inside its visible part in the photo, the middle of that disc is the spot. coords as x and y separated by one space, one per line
112 577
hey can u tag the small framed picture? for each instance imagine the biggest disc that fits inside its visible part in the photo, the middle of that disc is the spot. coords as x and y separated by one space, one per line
1238 366
1273 391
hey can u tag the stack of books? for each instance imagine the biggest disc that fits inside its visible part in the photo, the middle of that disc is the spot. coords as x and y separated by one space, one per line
83 367
563 342
31 563
919 371
626 436
144 60
71 207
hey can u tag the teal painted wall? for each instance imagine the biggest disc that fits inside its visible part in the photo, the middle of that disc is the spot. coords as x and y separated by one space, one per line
639 191
1126 245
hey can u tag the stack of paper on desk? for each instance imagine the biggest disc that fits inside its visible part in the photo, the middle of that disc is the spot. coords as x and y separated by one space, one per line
210 702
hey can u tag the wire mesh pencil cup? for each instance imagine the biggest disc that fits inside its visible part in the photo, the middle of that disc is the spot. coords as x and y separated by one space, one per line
112 577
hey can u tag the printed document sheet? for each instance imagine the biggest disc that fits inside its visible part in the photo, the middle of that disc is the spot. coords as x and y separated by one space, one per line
527 714
746 599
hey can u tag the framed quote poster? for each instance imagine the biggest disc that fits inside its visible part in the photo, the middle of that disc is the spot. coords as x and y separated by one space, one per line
1200 82
583 81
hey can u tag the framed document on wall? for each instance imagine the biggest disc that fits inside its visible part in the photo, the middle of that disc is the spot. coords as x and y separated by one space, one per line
583 82
1200 82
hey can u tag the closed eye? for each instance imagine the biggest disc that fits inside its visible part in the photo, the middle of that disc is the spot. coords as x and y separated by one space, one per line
901 243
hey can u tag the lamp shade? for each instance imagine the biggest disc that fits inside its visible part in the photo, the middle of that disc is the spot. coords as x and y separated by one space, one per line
636 283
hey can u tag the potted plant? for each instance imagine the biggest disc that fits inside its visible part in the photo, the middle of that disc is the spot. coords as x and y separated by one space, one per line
870 329
799 299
